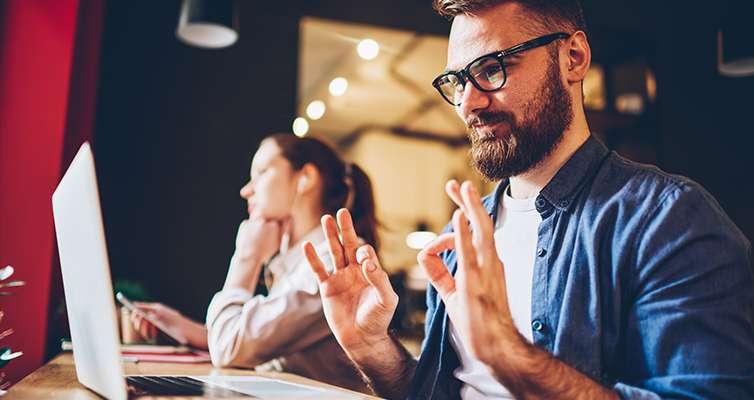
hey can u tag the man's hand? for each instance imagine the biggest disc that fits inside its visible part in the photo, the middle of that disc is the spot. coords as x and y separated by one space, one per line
476 298
477 303
359 303
357 297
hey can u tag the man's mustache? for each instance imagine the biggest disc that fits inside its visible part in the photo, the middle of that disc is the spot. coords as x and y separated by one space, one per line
489 118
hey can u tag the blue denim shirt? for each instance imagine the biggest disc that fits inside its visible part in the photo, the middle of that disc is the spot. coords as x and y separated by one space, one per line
644 284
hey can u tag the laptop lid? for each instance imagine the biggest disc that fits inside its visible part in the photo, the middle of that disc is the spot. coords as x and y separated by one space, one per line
86 278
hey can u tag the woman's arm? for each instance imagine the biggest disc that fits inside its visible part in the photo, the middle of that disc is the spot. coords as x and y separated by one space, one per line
246 330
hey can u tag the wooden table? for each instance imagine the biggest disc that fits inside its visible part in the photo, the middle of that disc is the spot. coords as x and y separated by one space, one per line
57 379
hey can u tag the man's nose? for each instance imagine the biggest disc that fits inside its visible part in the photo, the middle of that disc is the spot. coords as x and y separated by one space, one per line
473 100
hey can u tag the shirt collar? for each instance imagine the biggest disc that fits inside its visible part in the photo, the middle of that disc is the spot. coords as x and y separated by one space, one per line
566 183
290 256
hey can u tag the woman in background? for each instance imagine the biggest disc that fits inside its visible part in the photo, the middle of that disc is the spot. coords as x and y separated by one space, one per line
293 182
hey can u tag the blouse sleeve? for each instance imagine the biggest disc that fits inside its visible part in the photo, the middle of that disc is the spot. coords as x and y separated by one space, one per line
246 330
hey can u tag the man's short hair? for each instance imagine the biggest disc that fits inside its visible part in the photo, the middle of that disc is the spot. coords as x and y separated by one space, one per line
549 15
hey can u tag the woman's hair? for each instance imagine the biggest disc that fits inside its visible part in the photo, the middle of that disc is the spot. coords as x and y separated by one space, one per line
343 184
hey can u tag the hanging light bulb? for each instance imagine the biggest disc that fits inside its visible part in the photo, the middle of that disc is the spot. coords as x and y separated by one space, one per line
208 24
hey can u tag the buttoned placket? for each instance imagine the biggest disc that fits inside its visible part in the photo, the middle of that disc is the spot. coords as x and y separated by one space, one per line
541 326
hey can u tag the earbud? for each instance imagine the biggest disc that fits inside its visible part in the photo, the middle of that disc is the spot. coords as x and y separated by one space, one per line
302 183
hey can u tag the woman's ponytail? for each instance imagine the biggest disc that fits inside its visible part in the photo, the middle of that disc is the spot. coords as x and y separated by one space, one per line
362 206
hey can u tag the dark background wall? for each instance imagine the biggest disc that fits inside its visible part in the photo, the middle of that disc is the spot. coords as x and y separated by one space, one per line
176 126
176 129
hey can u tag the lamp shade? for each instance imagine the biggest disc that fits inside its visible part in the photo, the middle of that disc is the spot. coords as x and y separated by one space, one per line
735 44
210 24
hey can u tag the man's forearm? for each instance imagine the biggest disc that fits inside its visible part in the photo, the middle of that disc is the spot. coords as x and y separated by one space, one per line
529 372
387 367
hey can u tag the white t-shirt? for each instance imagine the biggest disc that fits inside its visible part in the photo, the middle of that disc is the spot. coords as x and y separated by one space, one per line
516 232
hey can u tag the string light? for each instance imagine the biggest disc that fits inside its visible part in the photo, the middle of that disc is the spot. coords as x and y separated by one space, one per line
368 49
338 86
300 126
316 109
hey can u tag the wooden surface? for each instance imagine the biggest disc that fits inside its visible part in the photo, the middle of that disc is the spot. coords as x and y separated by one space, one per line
57 379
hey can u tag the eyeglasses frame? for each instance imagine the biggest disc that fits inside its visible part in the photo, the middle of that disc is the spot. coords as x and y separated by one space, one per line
464 75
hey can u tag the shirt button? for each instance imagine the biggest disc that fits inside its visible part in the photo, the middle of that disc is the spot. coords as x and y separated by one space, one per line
564 203
540 203
541 252
537 325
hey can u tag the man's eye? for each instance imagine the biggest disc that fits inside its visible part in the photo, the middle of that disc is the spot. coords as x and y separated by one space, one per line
492 70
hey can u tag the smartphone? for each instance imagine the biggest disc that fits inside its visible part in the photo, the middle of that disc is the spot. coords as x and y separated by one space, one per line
172 333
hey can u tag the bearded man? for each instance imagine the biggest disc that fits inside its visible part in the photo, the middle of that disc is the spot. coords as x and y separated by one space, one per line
583 276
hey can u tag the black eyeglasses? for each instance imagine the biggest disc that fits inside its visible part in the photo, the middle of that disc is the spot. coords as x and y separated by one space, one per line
486 73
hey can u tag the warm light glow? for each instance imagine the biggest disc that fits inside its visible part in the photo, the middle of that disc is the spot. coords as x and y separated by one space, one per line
338 86
316 109
651 84
629 103
417 240
300 126
368 49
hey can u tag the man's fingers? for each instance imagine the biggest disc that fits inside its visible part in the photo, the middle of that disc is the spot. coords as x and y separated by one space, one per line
378 278
375 275
483 229
347 231
467 260
366 252
333 240
315 263
437 271
475 211
446 241
453 189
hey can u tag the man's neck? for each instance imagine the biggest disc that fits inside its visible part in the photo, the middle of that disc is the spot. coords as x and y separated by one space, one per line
530 183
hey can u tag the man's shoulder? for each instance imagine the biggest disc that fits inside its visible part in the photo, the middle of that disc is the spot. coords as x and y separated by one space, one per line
626 181
640 175
645 193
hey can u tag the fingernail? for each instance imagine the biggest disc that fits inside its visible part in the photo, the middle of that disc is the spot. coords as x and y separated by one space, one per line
371 267
361 252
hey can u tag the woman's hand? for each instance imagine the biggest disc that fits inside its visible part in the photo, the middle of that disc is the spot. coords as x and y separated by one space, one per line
194 332
258 239
256 242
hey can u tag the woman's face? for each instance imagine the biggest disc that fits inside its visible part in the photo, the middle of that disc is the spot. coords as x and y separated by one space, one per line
271 190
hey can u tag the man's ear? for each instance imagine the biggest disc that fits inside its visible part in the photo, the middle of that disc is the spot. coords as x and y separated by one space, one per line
579 57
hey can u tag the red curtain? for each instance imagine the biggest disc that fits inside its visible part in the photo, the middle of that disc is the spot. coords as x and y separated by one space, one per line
49 53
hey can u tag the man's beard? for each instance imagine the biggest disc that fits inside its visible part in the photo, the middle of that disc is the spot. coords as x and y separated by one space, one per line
527 143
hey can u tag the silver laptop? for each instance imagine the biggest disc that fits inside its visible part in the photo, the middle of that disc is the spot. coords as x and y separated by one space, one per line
91 308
